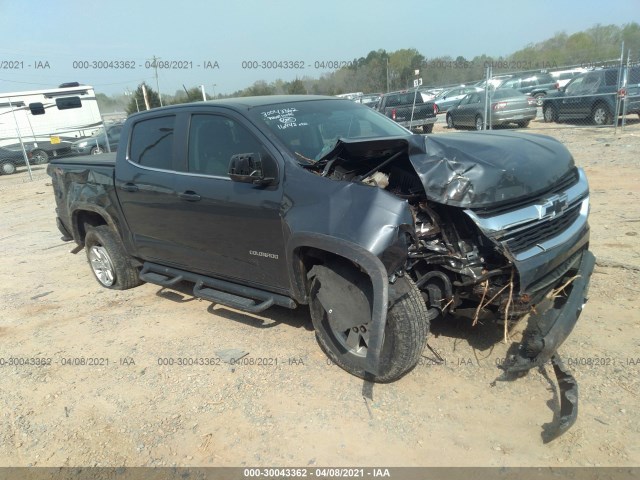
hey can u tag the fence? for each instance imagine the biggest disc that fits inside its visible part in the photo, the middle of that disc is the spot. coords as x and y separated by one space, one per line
598 94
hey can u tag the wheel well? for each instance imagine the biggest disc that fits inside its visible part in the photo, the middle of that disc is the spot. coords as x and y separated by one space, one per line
304 260
600 103
84 219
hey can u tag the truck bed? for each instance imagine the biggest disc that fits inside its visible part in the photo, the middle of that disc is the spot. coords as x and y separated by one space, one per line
101 160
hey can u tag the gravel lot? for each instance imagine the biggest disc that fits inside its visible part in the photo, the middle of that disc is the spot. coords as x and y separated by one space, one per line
283 404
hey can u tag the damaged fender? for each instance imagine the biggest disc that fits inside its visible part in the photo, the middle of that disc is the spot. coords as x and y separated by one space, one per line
376 271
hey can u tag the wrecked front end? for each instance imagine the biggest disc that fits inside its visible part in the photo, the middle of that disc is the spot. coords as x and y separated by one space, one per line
499 229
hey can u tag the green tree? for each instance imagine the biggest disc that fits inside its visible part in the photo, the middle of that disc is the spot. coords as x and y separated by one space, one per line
296 87
152 95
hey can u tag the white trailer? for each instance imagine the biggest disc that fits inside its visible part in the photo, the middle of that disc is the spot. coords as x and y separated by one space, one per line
48 121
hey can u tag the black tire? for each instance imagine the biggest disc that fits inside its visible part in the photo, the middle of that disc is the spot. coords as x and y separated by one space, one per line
405 336
427 128
479 123
97 150
39 157
549 113
7 167
108 260
523 124
600 115
539 97
450 123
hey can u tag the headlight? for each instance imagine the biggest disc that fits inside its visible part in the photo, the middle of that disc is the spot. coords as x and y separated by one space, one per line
83 144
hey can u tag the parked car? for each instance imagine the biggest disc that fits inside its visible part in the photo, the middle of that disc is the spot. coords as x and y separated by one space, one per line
97 143
450 97
370 99
11 159
408 109
537 85
507 106
429 94
565 76
592 96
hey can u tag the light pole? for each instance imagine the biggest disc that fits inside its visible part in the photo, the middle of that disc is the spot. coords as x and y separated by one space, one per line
214 90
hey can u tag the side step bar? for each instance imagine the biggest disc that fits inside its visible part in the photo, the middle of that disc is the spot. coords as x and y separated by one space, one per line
225 293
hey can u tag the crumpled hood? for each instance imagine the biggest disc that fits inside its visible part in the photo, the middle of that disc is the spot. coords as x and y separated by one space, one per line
474 169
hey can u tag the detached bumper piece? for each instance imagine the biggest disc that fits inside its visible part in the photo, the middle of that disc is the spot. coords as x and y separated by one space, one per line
568 401
546 330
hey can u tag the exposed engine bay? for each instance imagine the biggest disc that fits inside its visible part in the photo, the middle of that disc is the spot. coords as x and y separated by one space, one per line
448 257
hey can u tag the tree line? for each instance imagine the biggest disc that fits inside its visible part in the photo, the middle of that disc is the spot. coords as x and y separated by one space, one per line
381 71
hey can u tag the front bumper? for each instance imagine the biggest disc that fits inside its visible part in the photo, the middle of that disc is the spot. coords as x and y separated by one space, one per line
546 330
554 319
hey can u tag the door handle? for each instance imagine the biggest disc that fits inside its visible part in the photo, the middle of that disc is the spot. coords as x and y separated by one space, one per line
129 187
190 196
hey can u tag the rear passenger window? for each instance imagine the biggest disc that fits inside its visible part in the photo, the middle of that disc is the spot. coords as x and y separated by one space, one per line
152 142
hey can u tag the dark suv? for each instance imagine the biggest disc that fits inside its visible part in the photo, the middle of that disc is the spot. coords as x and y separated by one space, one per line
592 96
536 85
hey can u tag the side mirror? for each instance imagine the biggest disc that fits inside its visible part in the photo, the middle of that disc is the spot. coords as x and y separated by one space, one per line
253 168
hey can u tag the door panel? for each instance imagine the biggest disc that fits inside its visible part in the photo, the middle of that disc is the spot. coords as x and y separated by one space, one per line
233 230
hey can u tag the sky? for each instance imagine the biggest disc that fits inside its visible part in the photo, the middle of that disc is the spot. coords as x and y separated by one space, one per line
110 44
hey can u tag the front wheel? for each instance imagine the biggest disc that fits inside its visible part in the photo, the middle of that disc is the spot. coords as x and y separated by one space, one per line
97 150
523 124
108 259
479 123
450 123
601 115
549 114
405 333
427 128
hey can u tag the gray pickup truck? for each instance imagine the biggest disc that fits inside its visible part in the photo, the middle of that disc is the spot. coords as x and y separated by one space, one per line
318 201
409 109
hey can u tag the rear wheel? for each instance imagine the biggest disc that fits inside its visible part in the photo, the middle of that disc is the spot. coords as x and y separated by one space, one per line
39 157
539 97
479 123
523 124
549 114
7 167
405 334
108 260
601 115
427 128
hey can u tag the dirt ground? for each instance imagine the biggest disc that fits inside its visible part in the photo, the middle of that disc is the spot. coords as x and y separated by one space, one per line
284 404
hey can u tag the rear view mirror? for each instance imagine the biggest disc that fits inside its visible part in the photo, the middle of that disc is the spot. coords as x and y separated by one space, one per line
253 168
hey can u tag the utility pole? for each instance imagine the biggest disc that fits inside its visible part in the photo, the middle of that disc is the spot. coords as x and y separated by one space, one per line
387 74
155 66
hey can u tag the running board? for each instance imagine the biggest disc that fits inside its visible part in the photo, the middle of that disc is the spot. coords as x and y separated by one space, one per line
222 292
231 300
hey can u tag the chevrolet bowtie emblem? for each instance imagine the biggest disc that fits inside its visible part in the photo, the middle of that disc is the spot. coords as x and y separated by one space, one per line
555 206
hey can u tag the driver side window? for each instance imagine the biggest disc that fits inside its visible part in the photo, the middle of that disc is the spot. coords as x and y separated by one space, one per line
213 140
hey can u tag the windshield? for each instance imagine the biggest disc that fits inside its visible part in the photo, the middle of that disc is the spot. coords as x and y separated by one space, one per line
311 129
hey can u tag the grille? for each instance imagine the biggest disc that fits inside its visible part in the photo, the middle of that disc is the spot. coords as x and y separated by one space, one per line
540 232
